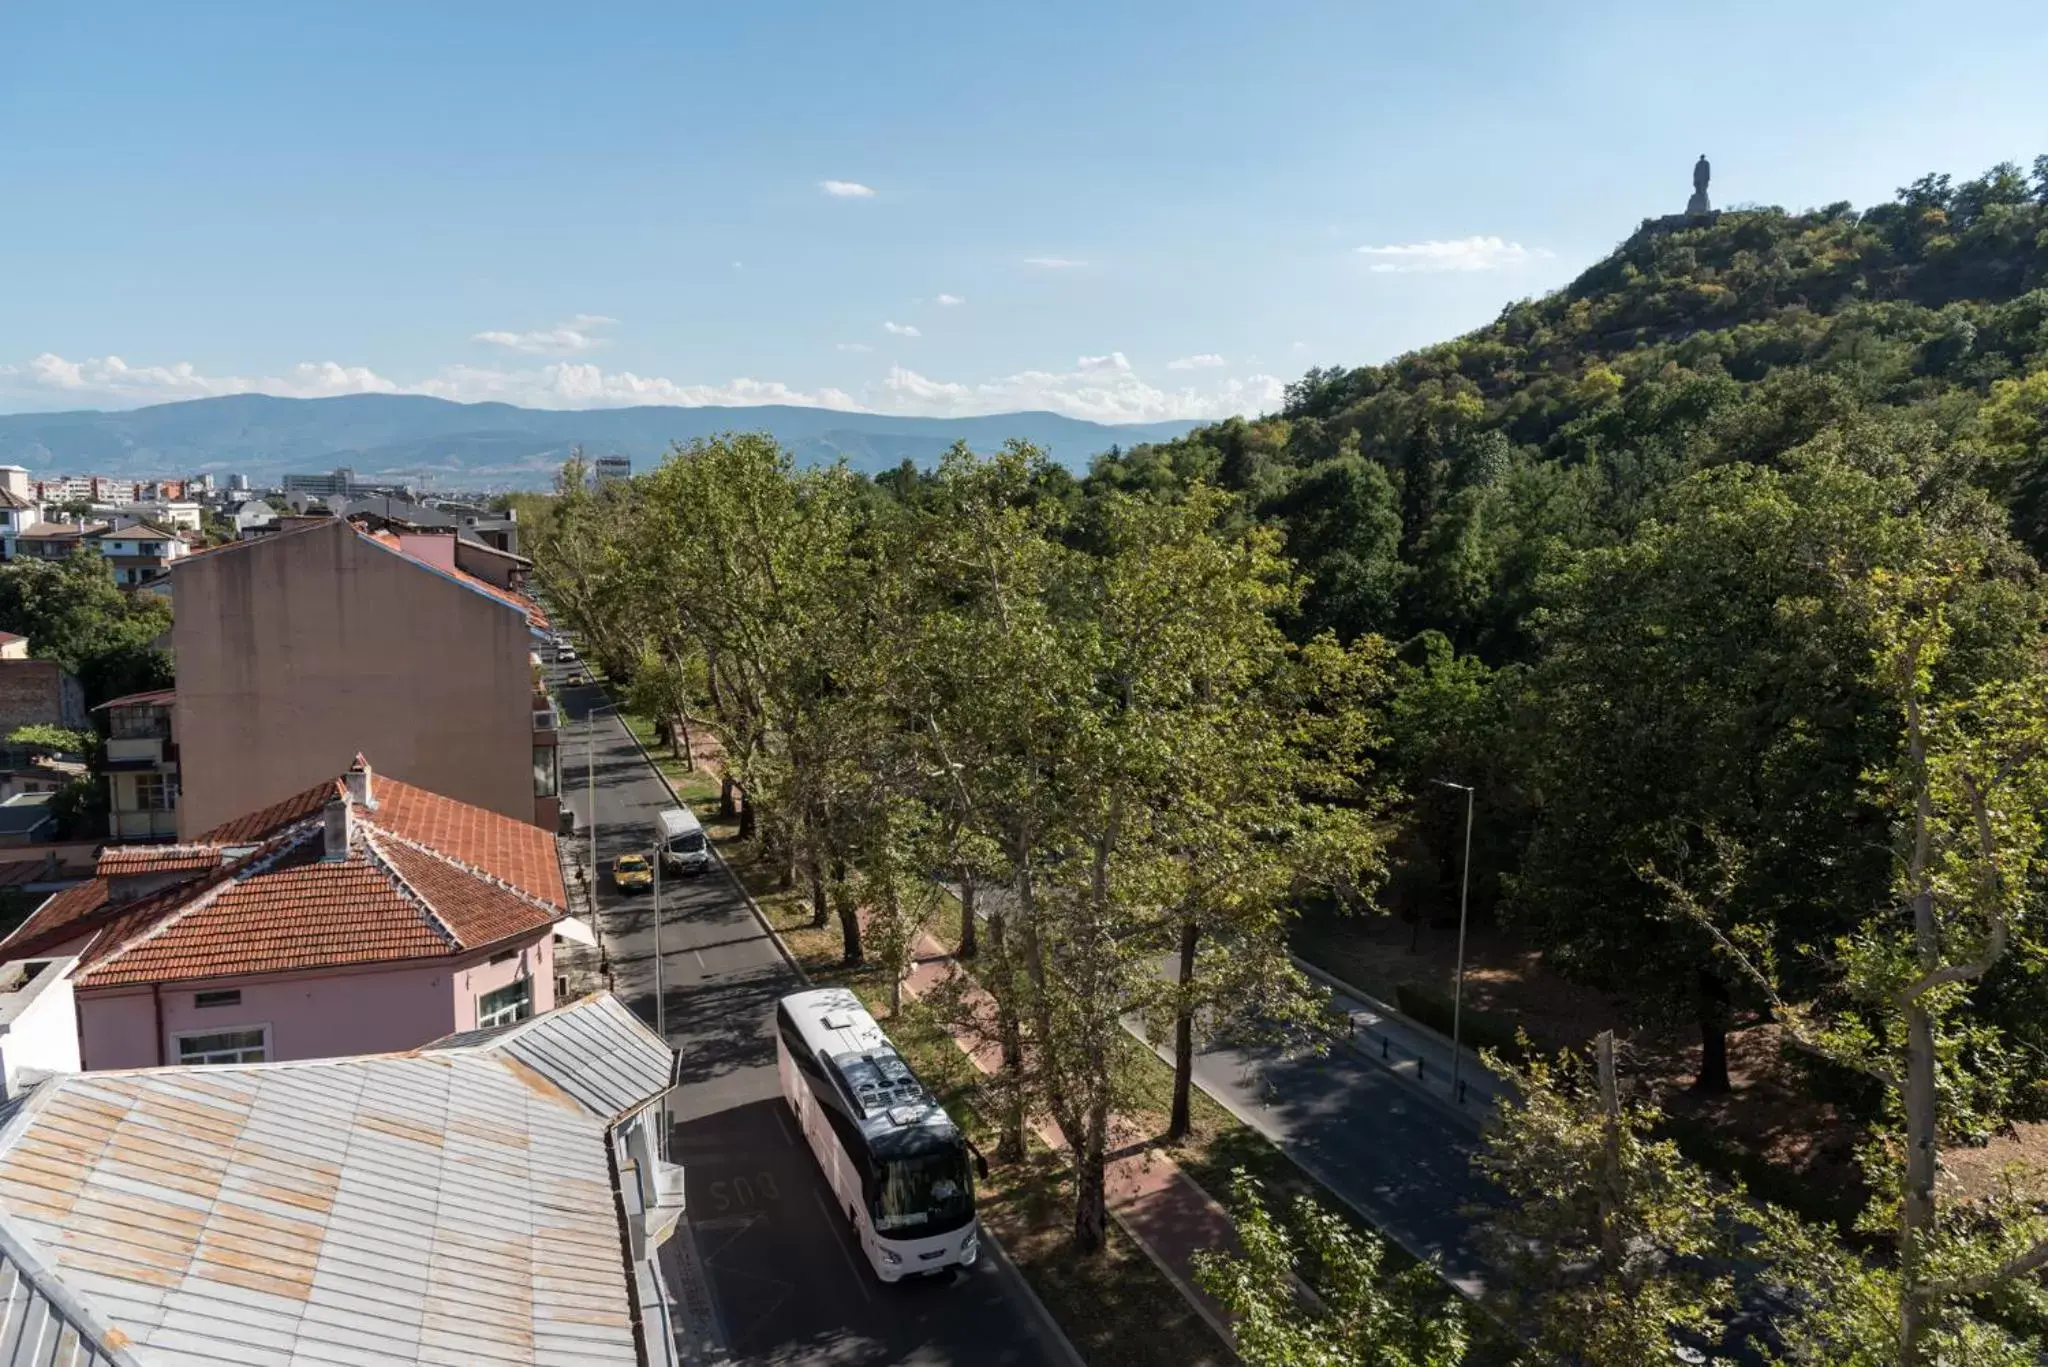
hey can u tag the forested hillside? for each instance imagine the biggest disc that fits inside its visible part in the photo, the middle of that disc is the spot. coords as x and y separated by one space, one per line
1715 576
1619 529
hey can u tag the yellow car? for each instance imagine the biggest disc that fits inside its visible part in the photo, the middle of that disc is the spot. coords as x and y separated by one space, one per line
632 873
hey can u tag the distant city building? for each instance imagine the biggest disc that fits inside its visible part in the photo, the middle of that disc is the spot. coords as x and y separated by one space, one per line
612 467
237 483
20 509
342 482
86 489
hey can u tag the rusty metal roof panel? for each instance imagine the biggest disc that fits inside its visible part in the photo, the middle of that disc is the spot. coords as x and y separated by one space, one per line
451 1205
594 1049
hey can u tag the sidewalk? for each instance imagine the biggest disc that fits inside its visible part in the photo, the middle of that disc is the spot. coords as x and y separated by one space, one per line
1159 1206
1414 1052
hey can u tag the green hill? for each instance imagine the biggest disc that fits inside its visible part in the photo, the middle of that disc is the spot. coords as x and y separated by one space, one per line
1425 493
1620 534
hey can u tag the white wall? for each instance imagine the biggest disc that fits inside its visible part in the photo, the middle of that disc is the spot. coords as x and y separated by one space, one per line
43 1036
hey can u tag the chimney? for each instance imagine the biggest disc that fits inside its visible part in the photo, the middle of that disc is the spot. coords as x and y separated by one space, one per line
360 791
341 823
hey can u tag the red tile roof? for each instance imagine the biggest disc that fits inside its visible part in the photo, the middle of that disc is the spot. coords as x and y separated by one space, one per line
500 847
70 912
131 860
425 877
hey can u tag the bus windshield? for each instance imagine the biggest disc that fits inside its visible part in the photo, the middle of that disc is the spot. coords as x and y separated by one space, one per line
926 1191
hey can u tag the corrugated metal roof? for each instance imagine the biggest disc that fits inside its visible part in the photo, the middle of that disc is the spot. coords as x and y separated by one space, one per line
41 1322
448 1206
595 1050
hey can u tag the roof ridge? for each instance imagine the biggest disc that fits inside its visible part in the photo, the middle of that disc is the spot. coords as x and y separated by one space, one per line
227 876
413 894
482 875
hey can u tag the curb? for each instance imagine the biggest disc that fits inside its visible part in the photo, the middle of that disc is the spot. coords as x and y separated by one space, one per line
1476 1119
1049 1327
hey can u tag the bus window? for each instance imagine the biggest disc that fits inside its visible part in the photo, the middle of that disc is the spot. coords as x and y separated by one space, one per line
917 1190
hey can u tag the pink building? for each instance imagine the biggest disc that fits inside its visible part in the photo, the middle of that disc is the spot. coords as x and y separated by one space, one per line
362 915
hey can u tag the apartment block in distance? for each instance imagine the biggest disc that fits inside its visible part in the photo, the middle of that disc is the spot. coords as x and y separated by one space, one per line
299 650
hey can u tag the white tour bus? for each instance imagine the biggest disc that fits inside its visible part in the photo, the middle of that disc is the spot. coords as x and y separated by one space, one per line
896 1162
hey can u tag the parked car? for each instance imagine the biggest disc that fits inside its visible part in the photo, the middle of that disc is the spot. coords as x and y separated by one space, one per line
632 873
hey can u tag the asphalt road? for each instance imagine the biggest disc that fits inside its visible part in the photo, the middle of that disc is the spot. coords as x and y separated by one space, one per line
767 1271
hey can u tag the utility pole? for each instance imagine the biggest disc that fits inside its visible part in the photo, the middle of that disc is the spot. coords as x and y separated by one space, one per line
660 996
1464 900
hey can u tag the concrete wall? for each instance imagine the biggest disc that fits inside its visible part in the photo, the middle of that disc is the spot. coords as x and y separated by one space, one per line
436 548
42 1038
325 1015
296 652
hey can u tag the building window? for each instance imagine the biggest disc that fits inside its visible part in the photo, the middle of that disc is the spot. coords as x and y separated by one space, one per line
507 1004
140 723
156 792
230 997
225 1046
547 775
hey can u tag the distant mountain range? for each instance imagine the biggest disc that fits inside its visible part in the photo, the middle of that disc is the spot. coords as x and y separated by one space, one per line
464 445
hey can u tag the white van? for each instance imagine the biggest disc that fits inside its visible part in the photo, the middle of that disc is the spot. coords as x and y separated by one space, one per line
683 847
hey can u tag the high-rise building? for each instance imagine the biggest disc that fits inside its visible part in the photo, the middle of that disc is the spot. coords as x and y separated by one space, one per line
239 483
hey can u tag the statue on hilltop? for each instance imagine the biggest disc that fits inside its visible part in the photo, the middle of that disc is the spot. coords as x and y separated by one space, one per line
1700 173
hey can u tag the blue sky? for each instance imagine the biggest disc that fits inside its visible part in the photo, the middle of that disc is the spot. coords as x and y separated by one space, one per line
1144 210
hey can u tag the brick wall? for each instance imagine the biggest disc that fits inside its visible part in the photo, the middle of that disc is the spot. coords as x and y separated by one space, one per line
39 692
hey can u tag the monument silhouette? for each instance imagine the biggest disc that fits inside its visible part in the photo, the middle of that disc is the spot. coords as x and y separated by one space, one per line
1700 172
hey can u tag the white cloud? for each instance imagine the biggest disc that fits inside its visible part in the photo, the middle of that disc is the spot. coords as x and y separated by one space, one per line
1053 263
110 382
564 339
901 330
950 301
1208 360
855 346
1099 388
1105 388
846 189
1461 254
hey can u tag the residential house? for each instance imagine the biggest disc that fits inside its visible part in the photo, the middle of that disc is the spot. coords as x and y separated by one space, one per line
26 819
498 1197
39 693
13 647
299 649
142 765
141 551
499 531
20 509
360 915
254 518
173 513
54 540
86 489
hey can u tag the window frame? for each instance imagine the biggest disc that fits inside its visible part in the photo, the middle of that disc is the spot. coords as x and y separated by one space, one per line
494 1017
179 1037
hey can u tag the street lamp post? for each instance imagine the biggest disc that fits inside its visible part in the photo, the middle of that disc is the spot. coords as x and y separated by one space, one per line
660 996
1464 899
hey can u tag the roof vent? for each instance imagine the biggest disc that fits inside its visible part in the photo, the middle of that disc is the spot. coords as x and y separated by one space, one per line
360 790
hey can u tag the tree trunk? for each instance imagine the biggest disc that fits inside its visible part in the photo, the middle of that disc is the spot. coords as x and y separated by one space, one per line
1712 1004
969 943
749 826
849 917
1179 1123
894 947
1010 1142
1091 1199
689 746
814 869
1916 1211
1610 1156
726 808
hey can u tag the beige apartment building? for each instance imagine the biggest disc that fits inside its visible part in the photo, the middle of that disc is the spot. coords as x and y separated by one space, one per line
300 650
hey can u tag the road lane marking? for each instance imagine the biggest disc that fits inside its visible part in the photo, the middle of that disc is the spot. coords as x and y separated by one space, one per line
837 1220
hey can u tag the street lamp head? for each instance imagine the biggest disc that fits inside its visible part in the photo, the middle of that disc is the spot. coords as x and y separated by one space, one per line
1446 783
